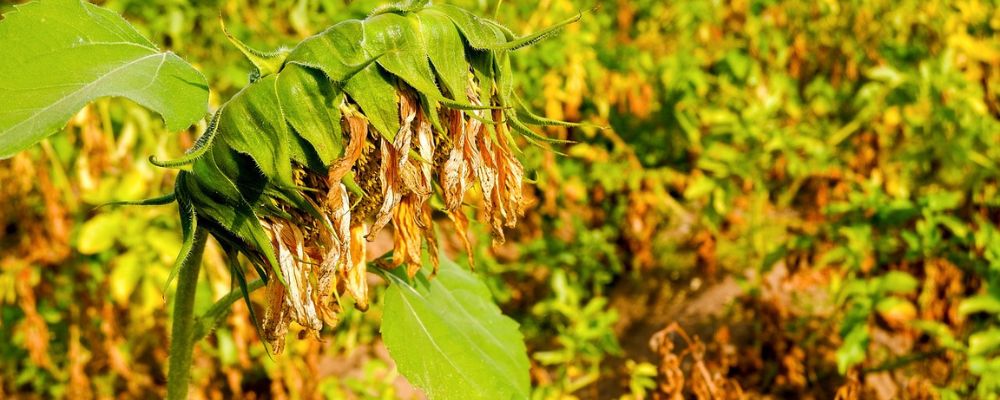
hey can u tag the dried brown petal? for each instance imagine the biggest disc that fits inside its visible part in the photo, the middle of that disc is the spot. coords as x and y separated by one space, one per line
289 244
394 158
425 222
462 228
455 171
277 317
484 162
357 128
406 235
338 256
511 178
417 174
356 276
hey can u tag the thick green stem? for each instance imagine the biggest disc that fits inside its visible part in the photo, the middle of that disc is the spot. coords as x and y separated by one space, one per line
182 338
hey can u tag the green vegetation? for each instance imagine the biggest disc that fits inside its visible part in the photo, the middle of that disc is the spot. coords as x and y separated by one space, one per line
791 199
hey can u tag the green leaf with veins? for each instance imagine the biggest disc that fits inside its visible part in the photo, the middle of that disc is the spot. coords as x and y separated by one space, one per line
447 54
450 339
311 105
404 49
253 124
58 55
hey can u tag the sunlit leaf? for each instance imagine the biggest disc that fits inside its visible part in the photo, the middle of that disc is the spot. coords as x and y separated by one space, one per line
85 53
448 338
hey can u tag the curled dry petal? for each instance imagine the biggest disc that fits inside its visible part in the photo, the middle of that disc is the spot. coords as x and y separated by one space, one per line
511 176
314 264
407 235
356 280
357 128
455 172
277 317
462 228
394 157
485 166
417 174
424 221
289 244
338 255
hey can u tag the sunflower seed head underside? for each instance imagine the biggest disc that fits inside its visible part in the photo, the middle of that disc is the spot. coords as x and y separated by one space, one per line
339 137
322 259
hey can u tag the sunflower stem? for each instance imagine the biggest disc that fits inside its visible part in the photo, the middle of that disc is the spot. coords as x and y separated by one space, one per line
182 338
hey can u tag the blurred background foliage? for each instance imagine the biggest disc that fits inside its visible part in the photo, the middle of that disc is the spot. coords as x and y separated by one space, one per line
792 200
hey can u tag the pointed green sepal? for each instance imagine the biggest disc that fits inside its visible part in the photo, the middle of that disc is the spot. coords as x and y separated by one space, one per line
266 63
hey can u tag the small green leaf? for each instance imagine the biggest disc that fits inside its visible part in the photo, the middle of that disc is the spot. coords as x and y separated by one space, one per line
221 171
240 224
448 337
99 233
337 51
58 55
405 6
854 348
265 62
984 342
189 226
940 332
537 36
377 98
981 303
898 282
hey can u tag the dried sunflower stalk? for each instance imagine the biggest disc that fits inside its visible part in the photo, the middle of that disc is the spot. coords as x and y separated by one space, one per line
350 130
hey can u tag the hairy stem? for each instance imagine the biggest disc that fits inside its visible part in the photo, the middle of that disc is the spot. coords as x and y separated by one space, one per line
182 338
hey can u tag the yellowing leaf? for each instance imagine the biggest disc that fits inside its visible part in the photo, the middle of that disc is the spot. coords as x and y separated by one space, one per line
99 233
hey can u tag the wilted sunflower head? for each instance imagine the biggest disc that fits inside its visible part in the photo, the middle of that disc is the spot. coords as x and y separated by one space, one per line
354 128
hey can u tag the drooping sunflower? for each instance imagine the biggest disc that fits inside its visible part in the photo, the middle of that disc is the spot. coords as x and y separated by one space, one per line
352 129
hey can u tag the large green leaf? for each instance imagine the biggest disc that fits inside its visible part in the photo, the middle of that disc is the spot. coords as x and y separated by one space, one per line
58 55
448 338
